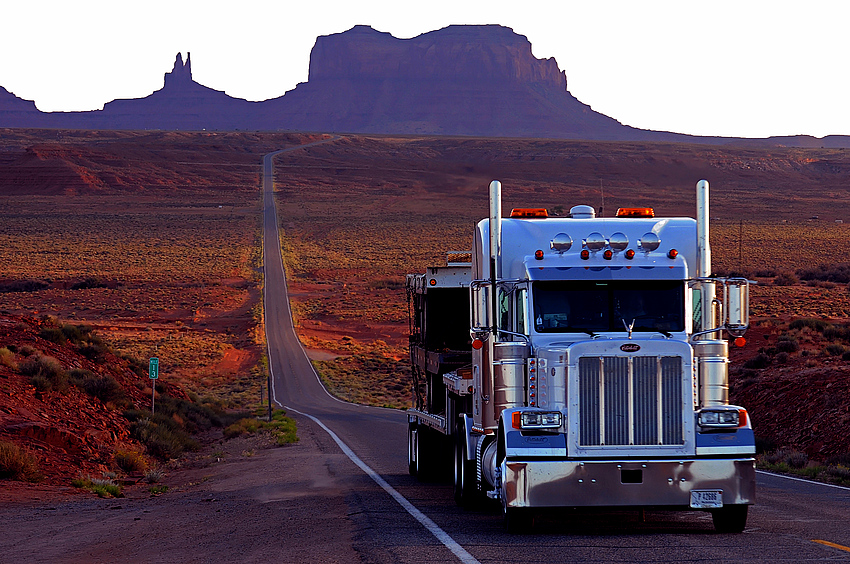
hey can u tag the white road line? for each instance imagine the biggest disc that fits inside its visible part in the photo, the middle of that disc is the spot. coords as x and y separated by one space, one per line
803 480
441 535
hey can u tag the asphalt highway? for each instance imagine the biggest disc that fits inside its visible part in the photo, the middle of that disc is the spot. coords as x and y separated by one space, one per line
398 519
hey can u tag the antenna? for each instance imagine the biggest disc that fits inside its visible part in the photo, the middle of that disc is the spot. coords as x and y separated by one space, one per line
602 190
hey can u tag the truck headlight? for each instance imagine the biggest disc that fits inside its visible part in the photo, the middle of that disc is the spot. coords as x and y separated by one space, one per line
536 419
722 418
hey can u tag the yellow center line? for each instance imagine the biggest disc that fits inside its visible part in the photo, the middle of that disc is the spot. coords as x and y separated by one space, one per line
832 544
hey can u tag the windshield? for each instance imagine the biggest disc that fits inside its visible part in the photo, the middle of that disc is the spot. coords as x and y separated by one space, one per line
590 307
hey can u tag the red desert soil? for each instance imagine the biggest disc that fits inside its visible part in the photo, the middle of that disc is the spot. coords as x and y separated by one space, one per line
152 238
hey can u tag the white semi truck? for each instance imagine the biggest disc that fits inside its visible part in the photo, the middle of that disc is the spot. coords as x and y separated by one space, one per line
582 362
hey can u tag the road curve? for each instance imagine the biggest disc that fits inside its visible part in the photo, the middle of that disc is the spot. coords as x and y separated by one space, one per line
793 521
373 438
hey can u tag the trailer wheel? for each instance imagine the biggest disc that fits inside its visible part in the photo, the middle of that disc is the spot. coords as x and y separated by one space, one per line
730 518
466 491
411 448
424 452
518 520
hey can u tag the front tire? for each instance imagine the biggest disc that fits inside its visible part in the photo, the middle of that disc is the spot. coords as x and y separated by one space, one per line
411 448
730 518
466 488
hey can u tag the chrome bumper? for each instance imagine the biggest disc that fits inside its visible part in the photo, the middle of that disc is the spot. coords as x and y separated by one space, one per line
557 483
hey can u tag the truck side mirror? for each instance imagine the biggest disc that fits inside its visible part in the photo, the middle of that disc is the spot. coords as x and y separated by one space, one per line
737 305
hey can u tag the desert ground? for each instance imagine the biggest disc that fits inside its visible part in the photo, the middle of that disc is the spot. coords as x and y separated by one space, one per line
150 240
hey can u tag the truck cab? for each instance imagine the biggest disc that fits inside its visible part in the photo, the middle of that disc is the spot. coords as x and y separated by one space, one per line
599 368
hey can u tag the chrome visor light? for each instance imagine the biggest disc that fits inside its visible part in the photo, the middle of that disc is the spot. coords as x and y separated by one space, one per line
595 242
649 242
618 241
561 242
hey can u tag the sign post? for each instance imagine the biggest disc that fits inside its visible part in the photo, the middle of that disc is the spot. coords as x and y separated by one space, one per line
153 372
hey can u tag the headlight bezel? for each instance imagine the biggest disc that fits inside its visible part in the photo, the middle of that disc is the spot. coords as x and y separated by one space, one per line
722 418
537 420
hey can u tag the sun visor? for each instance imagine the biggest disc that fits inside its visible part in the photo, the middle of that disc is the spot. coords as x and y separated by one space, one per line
672 272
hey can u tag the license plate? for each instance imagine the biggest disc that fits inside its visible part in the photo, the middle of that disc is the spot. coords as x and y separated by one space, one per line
706 499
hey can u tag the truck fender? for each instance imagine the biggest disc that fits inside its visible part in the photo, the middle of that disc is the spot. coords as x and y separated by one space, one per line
464 429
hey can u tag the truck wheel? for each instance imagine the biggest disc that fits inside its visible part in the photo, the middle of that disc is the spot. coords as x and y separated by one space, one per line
424 453
730 518
518 520
464 473
411 448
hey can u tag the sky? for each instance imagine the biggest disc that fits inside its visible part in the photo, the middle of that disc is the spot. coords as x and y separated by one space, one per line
742 68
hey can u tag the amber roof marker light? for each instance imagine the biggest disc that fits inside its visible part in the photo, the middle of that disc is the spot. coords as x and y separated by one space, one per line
635 212
529 213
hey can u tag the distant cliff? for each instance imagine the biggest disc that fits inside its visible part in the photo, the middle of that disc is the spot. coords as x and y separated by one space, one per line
460 80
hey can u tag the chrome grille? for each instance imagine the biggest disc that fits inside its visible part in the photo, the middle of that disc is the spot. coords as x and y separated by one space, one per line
635 400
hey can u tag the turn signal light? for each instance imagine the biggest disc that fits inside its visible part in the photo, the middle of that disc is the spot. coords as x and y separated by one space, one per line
630 254
538 254
740 342
477 344
672 253
585 254
608 254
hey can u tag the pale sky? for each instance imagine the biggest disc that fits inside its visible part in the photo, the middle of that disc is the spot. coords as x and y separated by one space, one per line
732 68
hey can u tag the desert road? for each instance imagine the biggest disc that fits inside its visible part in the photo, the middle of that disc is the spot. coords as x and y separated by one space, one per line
397 519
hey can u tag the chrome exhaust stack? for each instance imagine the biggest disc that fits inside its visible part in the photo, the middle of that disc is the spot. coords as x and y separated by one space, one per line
711 353
495 252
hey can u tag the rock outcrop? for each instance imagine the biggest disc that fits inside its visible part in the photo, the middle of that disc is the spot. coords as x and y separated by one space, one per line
17 112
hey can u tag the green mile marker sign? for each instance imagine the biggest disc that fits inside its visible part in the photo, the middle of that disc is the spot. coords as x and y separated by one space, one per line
153 368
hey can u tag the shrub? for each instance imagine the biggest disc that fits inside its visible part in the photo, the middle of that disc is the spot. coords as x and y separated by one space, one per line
759 361
154 475
102 487
130 461
816 324
45 369
785 279
281 427
162 436
7 358
93 352
787 344
837 333
846 356
840 472
89 283
105 387
53 334
782 358
834 349
828 272
245 426
22 286
26 351
789 457
17 464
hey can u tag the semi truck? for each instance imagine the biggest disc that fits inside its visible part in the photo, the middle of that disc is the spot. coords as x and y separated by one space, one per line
582 362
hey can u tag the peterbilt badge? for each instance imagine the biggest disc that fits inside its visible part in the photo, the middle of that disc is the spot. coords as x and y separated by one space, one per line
630 347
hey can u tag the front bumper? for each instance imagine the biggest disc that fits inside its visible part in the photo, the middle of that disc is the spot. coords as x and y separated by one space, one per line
563 483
